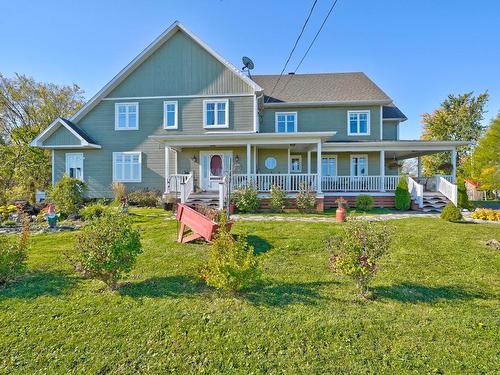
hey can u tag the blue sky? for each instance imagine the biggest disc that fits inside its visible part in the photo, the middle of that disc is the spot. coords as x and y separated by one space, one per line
416 51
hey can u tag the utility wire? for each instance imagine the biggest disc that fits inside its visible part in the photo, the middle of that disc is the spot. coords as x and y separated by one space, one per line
293 49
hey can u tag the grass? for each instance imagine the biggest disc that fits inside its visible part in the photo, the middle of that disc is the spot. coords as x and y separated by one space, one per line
436 308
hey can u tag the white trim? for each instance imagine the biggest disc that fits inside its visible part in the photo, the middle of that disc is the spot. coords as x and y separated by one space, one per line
177 96
255 113
52 128
215 101
300 163
76 147
127 104
148 51
368 125
66 162
381 124
255 159
397 131
209 153
327 103
309 161
330 156
127 153
350 164
356 193
176 114
53 167
319 157
414 145
288 159
167 166
295 125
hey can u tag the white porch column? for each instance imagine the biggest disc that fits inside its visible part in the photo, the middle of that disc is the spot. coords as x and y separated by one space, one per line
419 167
255 159
454 164
318 167
382 170
309 162
167 168
249 162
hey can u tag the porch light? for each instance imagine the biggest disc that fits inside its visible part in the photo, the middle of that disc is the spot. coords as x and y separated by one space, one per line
194 159
237 159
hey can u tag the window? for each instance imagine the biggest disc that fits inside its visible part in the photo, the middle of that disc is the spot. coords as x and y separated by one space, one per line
74 165
286 122
126 116
359 165
329 166
216 113
270 163
170 115
358 122
127 166
295 163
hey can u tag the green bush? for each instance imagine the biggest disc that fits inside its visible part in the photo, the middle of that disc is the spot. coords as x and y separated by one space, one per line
144 198
13 255
106 248
364 202
402 199
356 250
451 213
67 195
462 197
5 211
306 199
246 199
278 198
231 264
94 210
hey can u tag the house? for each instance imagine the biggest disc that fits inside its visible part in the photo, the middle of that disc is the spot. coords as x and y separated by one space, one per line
180 117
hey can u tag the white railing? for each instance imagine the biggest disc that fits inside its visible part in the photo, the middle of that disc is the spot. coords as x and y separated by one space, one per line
351 183
186 188
416 190
222 192
175 181
448 189
238 181
391 182
264 182
449 178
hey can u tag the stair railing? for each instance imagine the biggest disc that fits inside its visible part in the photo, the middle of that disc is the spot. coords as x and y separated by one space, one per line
448 189
186 188
416 190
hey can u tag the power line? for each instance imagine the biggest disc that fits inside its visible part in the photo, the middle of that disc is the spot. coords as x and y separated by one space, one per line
294 46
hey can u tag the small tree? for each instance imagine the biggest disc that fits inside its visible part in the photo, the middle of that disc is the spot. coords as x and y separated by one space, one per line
356 250
462 197
231 264
402 199
306 198
68 194
278 198
451 213
246 199
106 249
364 202
13 254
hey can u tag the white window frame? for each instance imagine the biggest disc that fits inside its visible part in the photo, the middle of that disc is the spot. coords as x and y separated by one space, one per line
66 162
368 125
215 126
330 156
115 154
359 156
127 127
296 125
300 163
176 114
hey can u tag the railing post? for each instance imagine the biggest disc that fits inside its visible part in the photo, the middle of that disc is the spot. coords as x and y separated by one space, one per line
183 192
382 170
318 167
221 195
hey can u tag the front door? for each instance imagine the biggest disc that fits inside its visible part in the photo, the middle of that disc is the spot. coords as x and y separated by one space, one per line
214 164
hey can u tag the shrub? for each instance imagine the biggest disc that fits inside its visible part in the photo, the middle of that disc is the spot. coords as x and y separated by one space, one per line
462 197
355 251
246 199
486 214
306 199
278 198
364 202
231 265
402 199
5 211
13 254
144 198
106 248
94 210
119 191
68 194
451 213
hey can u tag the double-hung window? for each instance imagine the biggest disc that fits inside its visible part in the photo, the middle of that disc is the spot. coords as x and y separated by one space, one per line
359 165
127 166
170 115
215 113
358 122
286 122
126 116
329 166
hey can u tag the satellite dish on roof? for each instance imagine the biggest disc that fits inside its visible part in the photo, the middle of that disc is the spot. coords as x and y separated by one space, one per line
247 64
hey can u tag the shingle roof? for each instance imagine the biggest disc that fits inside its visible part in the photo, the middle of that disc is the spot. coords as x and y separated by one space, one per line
79 130
393 112
324 87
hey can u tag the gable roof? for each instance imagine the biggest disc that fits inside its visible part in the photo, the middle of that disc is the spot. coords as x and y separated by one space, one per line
391 112
148 51
85 140
332 88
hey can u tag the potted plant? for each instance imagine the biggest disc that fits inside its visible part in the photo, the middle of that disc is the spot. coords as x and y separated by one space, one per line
341 209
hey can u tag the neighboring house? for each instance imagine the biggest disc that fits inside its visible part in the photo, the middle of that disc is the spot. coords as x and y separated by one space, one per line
181 112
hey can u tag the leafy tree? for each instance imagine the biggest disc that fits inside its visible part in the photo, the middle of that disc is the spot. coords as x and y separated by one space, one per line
26 108
457 119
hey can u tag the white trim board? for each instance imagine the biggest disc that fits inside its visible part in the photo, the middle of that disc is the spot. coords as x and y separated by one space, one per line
178 97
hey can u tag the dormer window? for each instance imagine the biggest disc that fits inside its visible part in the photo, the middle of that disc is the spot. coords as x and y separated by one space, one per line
216 113
126 116
286 122
358 122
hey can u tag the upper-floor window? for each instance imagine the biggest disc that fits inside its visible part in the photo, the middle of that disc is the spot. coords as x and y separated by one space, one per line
170 115
215 113
126 116
286 122
127 166
358 122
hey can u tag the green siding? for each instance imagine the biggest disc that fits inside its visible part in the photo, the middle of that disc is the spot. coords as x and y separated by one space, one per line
391 130
325 119
61 137
180 67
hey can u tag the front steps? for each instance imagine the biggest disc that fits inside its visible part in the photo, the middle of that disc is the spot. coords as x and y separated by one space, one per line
205 198
434 202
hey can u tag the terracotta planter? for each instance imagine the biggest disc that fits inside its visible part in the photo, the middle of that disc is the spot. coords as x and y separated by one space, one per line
340 214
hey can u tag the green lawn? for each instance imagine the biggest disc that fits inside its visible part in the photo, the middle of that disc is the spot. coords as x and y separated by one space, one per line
437 308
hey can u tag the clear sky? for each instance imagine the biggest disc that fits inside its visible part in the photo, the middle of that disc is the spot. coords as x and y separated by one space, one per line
416 51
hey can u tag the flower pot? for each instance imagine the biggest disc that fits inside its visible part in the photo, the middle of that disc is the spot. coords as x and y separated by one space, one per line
340 214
